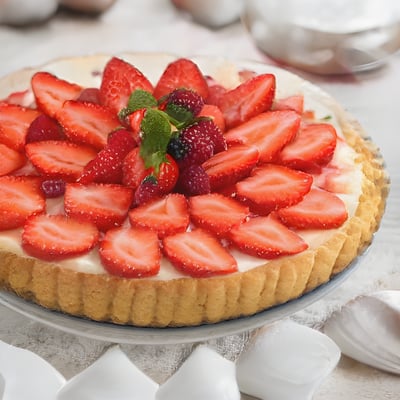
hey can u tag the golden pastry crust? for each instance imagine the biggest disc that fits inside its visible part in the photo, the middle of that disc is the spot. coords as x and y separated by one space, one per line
190 301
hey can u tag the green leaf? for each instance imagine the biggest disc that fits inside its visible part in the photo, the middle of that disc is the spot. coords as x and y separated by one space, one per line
137 100
179 114
156 130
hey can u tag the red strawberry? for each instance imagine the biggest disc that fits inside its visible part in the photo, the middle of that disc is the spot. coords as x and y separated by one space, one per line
249 99
165 216
44 128
269 132
215 91
130 252
23 98
295 103
119 80
56 237
14 124
227 167
198 254
105 205
319 209
89 95
51 92
10 160
273 186
134 171
59 159
20 197
312 148
87 123
266 237
181 73
216 213
106 167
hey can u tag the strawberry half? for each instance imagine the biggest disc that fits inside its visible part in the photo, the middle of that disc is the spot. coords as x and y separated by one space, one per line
87 123
319 209
106 167
119 80
295 103
198 254
165 216
267 238
10 160
14 124
181 73
105 205
51 92
269 132
249 99
56 237
216 213
130 253
59 159
271 187
20 197
228 167
312 148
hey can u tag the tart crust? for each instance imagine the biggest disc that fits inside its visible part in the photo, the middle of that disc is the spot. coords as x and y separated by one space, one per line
191 301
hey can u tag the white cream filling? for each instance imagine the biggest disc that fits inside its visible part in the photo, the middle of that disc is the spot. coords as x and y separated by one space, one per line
287 85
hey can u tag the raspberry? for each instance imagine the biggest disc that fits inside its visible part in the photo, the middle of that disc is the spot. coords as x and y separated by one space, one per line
53 188
208 127
188 99
198 144
43 128
193 181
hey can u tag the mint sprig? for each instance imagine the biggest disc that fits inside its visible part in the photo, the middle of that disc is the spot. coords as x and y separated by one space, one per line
138 100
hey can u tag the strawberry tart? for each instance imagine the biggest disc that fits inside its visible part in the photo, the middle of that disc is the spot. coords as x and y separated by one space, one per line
156 191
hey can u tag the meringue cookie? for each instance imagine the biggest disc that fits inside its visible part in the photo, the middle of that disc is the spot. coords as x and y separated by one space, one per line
367 329
286 361
24 375
112 376
204 375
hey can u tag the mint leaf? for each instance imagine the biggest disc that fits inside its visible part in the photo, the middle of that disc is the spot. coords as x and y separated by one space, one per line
156 130
179 114
137 100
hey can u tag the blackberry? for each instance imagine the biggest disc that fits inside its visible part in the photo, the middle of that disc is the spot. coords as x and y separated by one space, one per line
176 148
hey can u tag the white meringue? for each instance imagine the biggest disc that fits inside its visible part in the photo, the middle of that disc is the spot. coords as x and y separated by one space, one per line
204 375
286 361
367 329
112 376
24 375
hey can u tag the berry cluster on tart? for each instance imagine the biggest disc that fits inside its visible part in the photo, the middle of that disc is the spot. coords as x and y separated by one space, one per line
179 199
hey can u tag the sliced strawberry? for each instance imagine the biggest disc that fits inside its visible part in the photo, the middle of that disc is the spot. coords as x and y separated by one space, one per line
56 237
215 91
10 160
59 159
165 216
89 95
130 252
295 103
14 124
230 166
319 209
105 205
198 254
106 167
312 148
216 213
269 132
267 238
181 73
87 123
51 92
334 179
213 112
22 98
271 187
249 99
20 197
119 80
